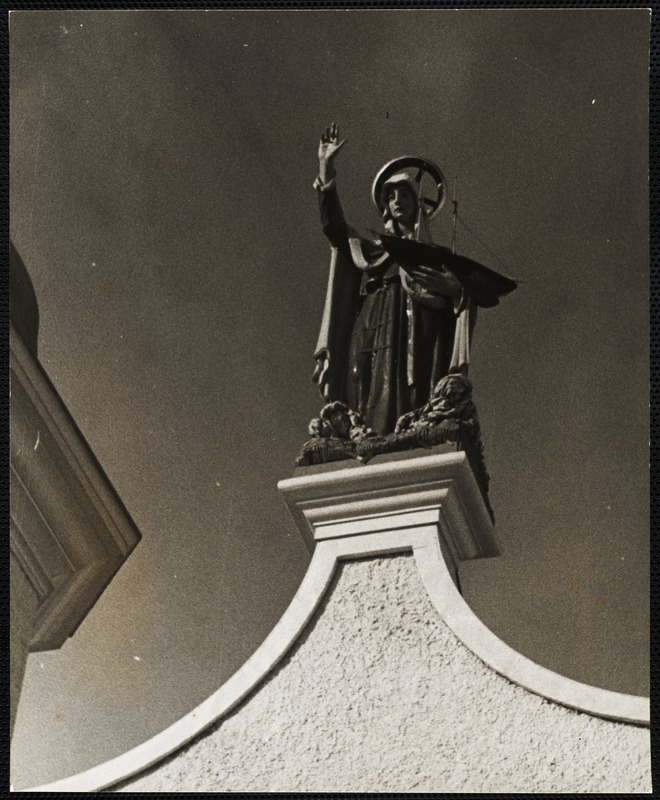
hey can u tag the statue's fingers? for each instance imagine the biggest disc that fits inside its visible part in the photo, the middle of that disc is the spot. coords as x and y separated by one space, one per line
426 282
341 144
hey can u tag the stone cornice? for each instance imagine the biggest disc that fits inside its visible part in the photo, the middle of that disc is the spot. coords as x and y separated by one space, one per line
70 532
333 503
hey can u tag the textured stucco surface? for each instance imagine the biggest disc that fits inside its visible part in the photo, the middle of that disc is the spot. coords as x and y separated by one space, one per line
379 695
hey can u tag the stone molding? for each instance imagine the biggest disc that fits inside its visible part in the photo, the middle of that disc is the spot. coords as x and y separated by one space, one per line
69 531
343 533
346 501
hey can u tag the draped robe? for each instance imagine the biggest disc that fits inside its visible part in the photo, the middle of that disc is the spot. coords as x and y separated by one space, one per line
380 350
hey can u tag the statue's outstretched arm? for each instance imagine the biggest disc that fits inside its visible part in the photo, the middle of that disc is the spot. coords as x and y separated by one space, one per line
329 147
332 216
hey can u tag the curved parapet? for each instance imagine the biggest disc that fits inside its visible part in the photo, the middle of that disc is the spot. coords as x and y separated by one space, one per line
395 684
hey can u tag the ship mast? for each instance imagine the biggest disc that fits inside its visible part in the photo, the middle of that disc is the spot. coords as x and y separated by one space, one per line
454 217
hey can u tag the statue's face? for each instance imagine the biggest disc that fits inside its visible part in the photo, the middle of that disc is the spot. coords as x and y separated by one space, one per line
402 203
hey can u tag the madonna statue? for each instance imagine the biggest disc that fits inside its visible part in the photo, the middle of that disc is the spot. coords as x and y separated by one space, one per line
390 330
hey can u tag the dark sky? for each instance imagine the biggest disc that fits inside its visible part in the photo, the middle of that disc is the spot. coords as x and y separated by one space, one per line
162 166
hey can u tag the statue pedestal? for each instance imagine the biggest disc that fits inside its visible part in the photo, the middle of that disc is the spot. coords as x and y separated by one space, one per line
398 493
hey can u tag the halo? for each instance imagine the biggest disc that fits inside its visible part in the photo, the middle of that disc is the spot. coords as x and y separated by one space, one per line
423 166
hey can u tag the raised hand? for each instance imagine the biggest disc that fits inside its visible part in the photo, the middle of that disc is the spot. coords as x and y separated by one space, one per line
330 145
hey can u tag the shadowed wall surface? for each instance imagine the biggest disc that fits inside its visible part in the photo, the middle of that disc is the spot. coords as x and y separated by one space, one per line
381 694
162 203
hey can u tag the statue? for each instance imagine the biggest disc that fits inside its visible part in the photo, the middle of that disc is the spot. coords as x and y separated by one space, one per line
388 329
394 346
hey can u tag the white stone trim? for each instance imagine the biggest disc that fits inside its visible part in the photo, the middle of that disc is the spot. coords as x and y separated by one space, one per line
422 538
434 481
511 664
274 647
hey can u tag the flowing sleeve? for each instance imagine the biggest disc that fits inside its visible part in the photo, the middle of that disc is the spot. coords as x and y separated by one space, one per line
332 216
341 300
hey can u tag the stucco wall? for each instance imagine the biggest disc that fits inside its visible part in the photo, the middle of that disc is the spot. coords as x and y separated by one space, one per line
379 695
